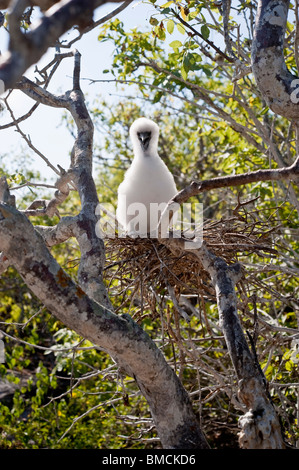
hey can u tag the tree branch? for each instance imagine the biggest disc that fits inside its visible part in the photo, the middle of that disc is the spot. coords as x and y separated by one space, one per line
202 94
97 23
197 33
260 425
43 4
28 140
279 87
25 50
87 309
50 208
290 173
119 336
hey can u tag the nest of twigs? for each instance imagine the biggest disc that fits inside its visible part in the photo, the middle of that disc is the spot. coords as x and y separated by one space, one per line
139 270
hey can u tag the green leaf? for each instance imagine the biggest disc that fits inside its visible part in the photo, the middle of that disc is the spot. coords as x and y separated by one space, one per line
184 73
205 31
175 44
157 97
160 31
180 28
197 57
187 62
207 71
193 14
153 21
170 26
264 111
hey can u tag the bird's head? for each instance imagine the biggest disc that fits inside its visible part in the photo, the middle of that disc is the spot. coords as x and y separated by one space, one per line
144 134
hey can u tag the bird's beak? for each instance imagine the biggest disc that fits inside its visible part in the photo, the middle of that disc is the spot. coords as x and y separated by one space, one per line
144 139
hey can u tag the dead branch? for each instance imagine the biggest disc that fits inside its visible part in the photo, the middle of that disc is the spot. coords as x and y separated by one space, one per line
97 23
260 425
202 94
226 6
25 50
27 139
290 173
87 309
50 208
118 335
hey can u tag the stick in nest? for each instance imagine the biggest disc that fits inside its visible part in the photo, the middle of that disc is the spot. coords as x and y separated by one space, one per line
143 265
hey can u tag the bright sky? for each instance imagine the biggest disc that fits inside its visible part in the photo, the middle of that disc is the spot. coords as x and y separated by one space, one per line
53 140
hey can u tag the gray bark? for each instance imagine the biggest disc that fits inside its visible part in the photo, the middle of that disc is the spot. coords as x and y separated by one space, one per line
25 50
119 336
43 4
278 86
86 307
260 427
290 173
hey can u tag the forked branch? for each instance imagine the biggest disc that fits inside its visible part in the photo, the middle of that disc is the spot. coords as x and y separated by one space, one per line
25 50
86 307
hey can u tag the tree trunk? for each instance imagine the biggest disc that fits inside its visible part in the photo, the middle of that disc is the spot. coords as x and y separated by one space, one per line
87 309
278 86
260 425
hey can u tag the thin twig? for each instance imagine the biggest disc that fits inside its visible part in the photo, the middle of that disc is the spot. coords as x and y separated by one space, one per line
97 23
28 140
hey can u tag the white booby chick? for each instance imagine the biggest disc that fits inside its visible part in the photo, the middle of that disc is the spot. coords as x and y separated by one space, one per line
148 185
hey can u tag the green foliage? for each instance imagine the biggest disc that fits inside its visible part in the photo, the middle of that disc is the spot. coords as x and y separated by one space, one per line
55 386
211 125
